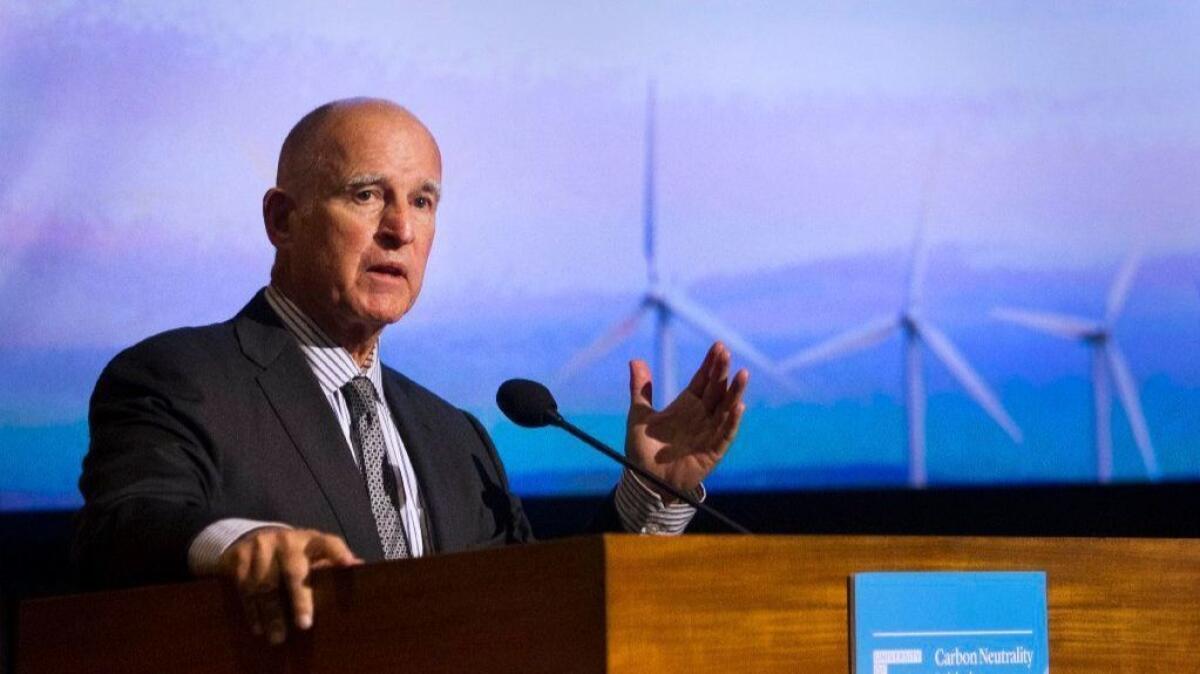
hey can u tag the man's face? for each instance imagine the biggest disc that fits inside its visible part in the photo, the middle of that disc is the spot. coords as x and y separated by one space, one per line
363 225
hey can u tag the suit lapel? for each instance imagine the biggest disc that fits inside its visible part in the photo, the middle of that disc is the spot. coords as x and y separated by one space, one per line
429 464
296 398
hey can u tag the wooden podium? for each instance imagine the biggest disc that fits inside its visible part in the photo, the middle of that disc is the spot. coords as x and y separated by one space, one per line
622 603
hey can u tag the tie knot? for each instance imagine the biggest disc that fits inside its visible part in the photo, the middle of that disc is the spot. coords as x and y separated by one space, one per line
359 391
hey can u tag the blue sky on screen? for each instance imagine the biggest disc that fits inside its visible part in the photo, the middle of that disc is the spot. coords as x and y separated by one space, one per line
787 134
794 140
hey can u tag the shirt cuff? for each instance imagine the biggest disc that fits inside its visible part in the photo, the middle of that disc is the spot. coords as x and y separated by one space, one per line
642 510
204 554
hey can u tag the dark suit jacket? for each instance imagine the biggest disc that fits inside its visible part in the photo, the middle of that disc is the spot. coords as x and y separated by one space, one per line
227 420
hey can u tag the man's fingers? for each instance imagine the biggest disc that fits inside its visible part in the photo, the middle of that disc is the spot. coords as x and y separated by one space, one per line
700 379
738 387
271 568
331 549
295 568
270 600
732 409
270 611
237 564
250 607
262 588
264 575
641 392
729 427
302 552
718 380
256 578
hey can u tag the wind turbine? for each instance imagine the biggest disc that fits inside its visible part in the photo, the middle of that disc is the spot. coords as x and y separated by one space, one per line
1107 362
915 330
667 304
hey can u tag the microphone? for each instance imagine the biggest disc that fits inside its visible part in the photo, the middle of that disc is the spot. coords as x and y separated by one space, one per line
530 404
527 403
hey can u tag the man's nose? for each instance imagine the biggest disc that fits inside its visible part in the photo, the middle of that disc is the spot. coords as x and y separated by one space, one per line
395 227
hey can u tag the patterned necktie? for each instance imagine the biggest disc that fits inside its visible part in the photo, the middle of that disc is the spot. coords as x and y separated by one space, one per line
367 433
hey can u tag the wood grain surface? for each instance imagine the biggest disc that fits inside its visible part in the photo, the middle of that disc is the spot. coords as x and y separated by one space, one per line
627 604
534 608
780 603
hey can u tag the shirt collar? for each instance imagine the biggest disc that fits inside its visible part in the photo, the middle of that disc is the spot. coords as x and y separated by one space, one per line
333 366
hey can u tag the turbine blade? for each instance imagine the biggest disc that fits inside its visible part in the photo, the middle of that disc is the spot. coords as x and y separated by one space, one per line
1059 325
649 243
954 361
916 272
607 341
856 339
700 320
1127 392
1119 291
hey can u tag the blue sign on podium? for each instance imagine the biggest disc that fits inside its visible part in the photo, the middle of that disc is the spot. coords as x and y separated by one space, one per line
949 623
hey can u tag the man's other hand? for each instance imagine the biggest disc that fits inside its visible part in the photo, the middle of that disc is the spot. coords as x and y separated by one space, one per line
682 443
271 565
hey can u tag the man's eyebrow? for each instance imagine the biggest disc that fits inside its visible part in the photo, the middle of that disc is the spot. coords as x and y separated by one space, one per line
364 180
429 186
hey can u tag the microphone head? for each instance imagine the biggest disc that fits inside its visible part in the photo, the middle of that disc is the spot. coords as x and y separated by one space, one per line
527 403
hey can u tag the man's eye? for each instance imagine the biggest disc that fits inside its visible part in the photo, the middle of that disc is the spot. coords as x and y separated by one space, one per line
365 196
423 202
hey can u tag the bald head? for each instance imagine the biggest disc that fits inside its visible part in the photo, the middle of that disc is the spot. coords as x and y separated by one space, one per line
352 217
313 141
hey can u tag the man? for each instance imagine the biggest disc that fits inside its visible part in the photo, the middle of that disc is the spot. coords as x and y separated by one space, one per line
276 443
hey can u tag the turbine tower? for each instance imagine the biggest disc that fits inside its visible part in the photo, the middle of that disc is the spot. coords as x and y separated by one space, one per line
666 302
915 331
1108 363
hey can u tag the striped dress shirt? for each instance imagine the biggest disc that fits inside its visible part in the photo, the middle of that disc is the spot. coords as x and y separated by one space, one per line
640 509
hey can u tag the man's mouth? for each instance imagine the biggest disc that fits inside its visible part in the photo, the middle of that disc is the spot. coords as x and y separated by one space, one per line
387 269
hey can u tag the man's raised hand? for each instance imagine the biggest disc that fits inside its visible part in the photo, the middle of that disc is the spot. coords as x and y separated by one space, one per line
270 567
682 443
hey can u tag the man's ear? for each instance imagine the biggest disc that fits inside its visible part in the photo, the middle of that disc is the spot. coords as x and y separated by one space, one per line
277 208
